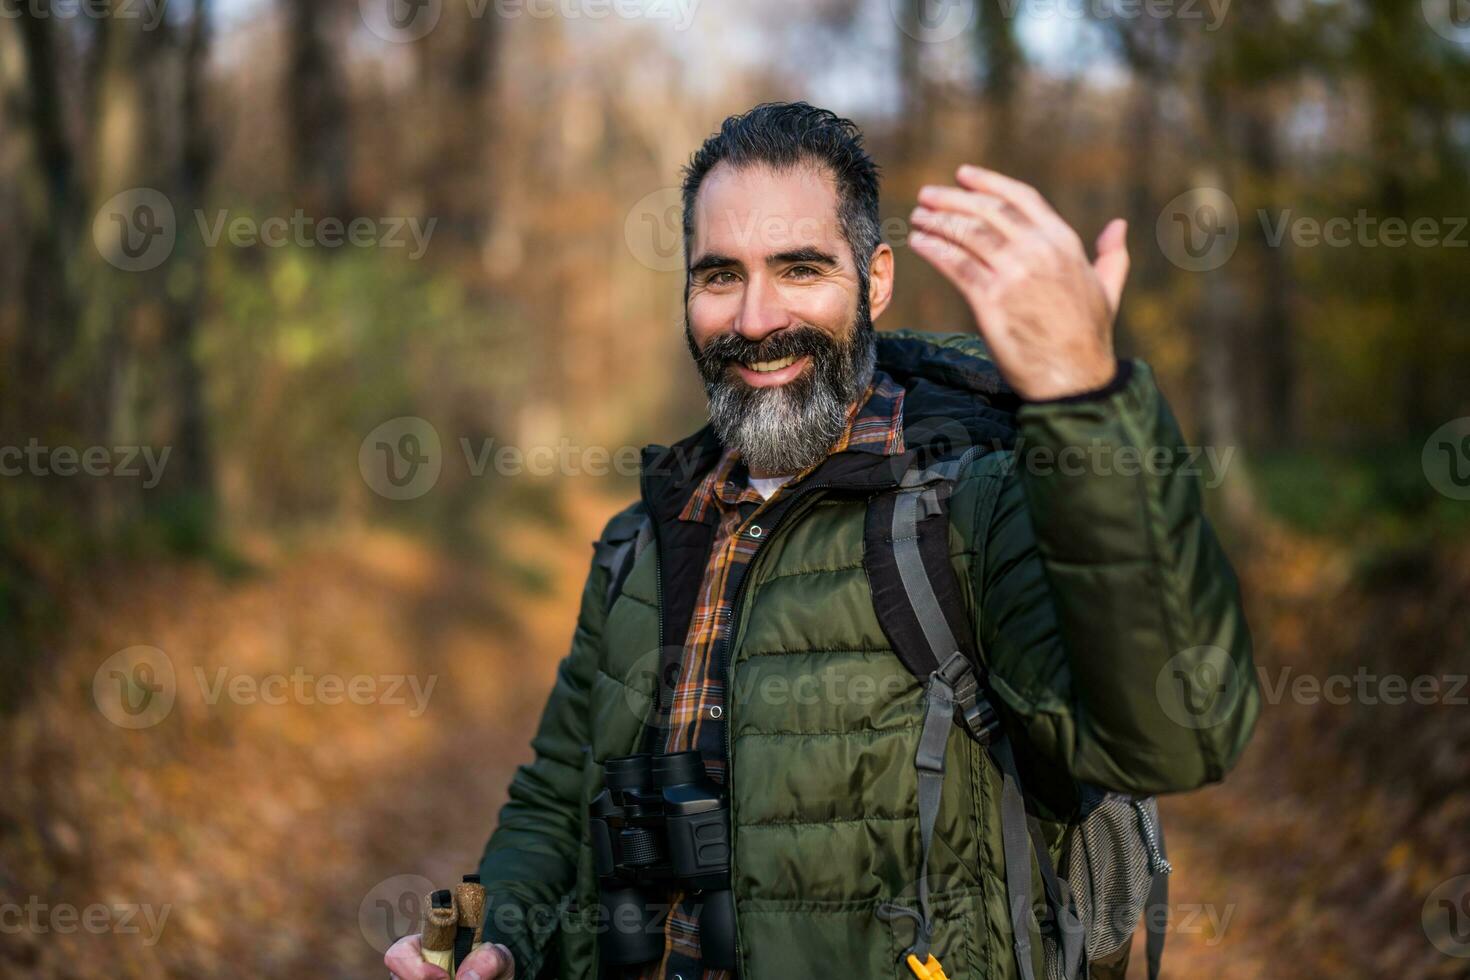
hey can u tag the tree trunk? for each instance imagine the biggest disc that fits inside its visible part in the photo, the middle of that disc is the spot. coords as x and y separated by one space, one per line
317 127
49 195
190 472
1000 72
1275 351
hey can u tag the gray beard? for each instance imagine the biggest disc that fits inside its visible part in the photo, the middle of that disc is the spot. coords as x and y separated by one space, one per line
775 433
791 428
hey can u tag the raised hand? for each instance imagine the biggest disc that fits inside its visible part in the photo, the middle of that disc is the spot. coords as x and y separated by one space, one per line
1045 311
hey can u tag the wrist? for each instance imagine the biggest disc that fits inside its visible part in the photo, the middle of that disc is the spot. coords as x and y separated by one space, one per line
1115 380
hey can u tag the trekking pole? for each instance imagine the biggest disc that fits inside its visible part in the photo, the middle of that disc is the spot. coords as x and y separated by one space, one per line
469 902
440 923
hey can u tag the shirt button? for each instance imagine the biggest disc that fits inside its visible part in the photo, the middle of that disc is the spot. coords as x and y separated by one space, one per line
755 531
716 712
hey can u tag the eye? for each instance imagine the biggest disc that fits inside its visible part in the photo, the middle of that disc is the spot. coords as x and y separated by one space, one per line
802 271
721 277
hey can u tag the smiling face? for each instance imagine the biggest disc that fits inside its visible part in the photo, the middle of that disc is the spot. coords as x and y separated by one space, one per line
778 318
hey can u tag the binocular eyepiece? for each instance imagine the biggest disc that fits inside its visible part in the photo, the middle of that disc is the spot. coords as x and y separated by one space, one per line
661 825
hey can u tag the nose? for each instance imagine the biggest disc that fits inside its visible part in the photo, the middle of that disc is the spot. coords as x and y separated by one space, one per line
761 310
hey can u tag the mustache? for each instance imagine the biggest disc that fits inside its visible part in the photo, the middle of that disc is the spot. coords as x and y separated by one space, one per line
728 349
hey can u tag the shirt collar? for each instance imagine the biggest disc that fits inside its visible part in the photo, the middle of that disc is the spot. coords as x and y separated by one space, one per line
874 425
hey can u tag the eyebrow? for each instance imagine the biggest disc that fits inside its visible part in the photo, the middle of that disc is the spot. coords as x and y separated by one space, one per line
809 255
712 261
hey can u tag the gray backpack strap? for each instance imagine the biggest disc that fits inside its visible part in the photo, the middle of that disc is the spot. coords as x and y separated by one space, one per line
921 610
1016 844
622 541
1070 932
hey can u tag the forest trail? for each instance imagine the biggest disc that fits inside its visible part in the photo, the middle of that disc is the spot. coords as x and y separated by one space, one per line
291 839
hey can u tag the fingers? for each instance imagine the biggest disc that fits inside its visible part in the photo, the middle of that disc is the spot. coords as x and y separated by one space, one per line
974 236
967 233
959 266
490 962
1113 261
1023 197
405 960
987 207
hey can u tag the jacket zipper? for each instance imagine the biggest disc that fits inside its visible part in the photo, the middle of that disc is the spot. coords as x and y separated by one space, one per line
658 572
727 648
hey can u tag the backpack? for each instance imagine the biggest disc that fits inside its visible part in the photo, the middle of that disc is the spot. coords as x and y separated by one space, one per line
1113 861
1113 864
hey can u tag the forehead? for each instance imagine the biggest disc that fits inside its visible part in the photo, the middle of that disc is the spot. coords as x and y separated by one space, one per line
758 210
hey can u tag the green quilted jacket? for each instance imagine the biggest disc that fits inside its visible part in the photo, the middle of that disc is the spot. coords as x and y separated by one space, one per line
1097 590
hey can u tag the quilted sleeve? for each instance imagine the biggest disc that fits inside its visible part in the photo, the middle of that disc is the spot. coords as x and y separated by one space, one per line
1110 615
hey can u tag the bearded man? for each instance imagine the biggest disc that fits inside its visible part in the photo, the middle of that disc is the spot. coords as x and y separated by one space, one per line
735 774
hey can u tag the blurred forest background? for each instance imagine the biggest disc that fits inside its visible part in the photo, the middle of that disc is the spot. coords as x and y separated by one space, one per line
535 147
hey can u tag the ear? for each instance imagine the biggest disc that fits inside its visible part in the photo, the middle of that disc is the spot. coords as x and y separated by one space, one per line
880 279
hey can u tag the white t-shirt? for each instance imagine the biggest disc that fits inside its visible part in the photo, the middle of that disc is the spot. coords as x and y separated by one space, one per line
767 485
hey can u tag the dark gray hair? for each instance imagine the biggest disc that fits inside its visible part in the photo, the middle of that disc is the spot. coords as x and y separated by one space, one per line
782 135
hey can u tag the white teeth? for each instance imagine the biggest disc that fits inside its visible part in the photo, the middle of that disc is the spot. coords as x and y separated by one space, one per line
764 366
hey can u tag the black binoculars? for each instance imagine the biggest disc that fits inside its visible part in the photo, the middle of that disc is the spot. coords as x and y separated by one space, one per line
661 825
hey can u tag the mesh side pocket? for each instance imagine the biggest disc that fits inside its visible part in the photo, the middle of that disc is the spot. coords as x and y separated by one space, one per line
1108 866
1116 849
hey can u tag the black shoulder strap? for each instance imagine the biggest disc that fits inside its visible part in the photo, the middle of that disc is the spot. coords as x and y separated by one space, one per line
921 609
622 541
915 590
